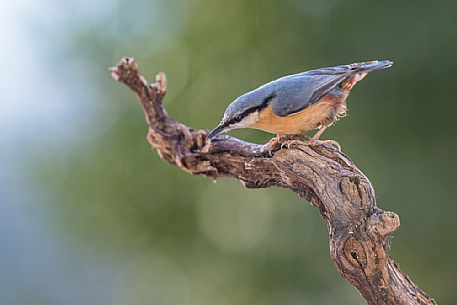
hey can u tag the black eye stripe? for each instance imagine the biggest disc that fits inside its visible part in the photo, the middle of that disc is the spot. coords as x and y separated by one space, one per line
264 104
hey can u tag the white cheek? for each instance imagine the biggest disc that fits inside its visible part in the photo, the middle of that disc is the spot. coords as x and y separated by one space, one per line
250 120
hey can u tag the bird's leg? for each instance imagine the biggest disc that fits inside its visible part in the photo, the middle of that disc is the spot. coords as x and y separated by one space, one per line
316 136
315 139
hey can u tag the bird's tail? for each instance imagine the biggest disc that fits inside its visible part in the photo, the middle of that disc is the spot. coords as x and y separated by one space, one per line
371 65
359 70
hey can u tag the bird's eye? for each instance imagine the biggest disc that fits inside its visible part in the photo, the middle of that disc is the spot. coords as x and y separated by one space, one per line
238 118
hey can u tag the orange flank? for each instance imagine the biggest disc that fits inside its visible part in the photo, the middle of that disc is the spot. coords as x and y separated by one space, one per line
321 113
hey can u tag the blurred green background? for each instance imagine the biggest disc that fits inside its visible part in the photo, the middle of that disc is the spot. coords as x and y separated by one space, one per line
90 215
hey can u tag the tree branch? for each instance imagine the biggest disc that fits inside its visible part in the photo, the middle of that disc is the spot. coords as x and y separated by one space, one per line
328 179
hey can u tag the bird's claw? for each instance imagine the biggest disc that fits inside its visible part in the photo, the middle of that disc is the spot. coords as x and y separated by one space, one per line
281 142
313 142
288 143
272 145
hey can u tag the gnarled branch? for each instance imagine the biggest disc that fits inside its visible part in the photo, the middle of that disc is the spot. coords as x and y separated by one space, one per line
358 229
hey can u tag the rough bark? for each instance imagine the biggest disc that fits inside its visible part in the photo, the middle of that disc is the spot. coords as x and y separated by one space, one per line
359 231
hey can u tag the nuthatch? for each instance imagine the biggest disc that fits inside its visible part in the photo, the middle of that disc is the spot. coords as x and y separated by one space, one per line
297 103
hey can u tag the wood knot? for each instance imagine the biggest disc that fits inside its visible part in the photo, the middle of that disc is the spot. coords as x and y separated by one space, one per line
382 223
354 253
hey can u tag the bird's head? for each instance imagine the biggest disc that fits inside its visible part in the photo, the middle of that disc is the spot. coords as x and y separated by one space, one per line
242 113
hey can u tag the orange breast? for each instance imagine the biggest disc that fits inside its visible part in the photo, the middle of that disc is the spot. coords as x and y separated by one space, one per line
306 120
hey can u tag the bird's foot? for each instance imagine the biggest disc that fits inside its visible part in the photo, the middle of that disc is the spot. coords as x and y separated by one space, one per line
286 141
281 141
272 146
289 143
315 142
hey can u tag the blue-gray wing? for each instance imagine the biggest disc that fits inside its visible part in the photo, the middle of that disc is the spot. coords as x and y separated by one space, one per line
296 92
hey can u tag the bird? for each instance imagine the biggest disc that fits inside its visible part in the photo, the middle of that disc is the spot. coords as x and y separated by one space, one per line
298 103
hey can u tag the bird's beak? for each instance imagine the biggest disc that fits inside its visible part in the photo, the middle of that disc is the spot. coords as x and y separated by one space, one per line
219 129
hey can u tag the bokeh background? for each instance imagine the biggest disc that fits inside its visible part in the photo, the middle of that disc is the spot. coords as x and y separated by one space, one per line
90 215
